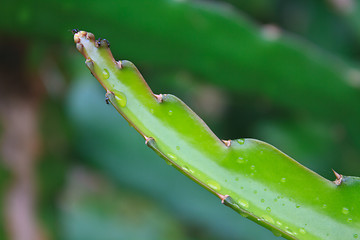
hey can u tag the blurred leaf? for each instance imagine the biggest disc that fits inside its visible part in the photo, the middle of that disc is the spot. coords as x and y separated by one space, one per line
92 209
211 41
318 23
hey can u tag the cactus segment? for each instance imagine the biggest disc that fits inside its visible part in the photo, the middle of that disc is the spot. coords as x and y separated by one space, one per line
252 177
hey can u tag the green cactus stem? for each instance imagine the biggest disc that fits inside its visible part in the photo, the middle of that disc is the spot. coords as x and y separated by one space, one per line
252 177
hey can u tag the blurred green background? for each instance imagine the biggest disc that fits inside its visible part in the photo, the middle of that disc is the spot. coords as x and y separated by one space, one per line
282 71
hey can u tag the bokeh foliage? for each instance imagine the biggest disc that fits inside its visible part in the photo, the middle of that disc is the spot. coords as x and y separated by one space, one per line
285 72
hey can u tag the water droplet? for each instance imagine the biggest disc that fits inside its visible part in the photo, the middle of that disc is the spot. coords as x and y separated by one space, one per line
275 199
241 187
170 112
356 236
268 209
302 231
241 141
168 163
278 197
241 160
324 206
268 219
186 169
177 148
297 206
283 180
255 192
236 179
172 157
251 174
243 203
278 223
345 210
252 167
349 220
152 110
276 233
105 73
289 231
214 185
262 200
265 189
120 98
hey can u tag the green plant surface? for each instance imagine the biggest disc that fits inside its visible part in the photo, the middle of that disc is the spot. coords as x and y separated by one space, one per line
250 176
102 130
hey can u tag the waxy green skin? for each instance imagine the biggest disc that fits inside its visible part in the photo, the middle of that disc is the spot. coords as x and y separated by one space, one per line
250 176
